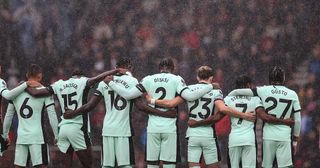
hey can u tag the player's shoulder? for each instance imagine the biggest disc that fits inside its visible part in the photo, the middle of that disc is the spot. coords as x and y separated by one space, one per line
3 82
126 78
291 92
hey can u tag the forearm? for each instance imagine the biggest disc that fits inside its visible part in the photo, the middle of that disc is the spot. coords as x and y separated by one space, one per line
141 105
205 122
271 119
100 77
83 109
53 120
297 124
128 94
242 92
231 112
8 120
43 92
169 103
11 94
191 95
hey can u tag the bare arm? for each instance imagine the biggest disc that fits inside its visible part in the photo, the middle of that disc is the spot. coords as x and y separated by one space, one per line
231 112
167 103
141 105
43 92
100 77
93 102
262 114
209 121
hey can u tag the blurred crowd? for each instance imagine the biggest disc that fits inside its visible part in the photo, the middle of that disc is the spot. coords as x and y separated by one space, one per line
233 36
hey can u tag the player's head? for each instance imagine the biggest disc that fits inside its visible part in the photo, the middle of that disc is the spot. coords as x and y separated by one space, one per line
166 64
34 72
243 81
205 73
276 76
77 72
125 63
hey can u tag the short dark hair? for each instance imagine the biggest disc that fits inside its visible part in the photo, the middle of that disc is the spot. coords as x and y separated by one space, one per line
124 62
276 75
166 63
205 72
34 70
77 72
242 81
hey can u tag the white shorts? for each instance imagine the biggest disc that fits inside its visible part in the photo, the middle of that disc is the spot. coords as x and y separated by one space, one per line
39 154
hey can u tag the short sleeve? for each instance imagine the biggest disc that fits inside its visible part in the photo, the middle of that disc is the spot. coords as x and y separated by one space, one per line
227 101
99 90
258 91
219 95
49 101
181 85
53 88
258 103
84 81
145 82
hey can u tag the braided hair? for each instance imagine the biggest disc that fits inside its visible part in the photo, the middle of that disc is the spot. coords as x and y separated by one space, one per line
276 75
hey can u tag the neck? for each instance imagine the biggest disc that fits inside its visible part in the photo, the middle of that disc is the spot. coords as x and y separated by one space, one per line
165 71
204 81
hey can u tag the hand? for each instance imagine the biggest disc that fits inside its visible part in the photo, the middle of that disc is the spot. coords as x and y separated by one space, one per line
68 114
5 142
289 121
148 97
32 83
192 123
107 79
122 70
215 85
250 116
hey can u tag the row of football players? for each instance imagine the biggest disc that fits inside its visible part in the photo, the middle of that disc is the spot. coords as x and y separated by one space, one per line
206 106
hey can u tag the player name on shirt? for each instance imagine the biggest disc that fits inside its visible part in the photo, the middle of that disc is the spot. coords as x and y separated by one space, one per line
166 80
124 83
240 97
278 91
69 85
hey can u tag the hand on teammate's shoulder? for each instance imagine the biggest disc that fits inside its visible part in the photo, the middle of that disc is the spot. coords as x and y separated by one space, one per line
107 79
32 83
215 85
